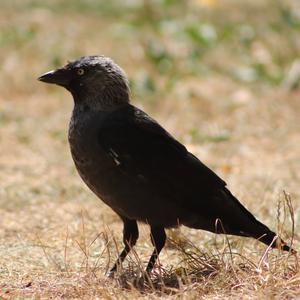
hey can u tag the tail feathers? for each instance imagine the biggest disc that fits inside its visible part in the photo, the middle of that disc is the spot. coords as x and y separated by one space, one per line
254 228
271 239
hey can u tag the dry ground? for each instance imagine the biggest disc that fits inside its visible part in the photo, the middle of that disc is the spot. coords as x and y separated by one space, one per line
220 75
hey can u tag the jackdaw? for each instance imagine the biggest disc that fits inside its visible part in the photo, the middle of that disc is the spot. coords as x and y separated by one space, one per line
140 170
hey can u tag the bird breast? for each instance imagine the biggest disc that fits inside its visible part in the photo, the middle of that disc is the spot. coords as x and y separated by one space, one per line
92 162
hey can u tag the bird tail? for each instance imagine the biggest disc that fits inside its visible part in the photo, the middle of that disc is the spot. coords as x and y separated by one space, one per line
259 231
271 239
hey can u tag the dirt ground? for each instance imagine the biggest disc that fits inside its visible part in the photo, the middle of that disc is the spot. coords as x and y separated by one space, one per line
222 77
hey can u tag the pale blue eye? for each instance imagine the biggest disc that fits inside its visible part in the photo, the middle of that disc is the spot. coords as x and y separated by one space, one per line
80 71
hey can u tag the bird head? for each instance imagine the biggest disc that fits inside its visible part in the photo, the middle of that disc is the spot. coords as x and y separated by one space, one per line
95 81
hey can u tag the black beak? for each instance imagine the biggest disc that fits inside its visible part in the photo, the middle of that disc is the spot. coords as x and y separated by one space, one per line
60 77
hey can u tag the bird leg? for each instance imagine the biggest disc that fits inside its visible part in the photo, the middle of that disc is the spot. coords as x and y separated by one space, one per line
158 239
130 236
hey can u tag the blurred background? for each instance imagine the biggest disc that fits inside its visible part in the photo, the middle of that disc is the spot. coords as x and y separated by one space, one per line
221 76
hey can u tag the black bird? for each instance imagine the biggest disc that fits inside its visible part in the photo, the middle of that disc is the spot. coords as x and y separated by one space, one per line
137 168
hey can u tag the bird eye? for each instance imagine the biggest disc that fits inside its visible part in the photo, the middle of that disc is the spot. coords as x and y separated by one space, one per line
80 71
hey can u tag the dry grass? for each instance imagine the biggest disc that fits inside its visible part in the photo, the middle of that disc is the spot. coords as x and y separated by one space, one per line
228 90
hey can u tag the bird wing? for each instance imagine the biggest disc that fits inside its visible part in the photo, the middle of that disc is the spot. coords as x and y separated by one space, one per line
143 150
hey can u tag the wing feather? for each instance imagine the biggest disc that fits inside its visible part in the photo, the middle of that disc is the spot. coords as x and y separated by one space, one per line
147 151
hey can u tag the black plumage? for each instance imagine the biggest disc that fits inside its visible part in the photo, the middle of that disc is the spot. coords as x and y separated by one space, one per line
137 168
